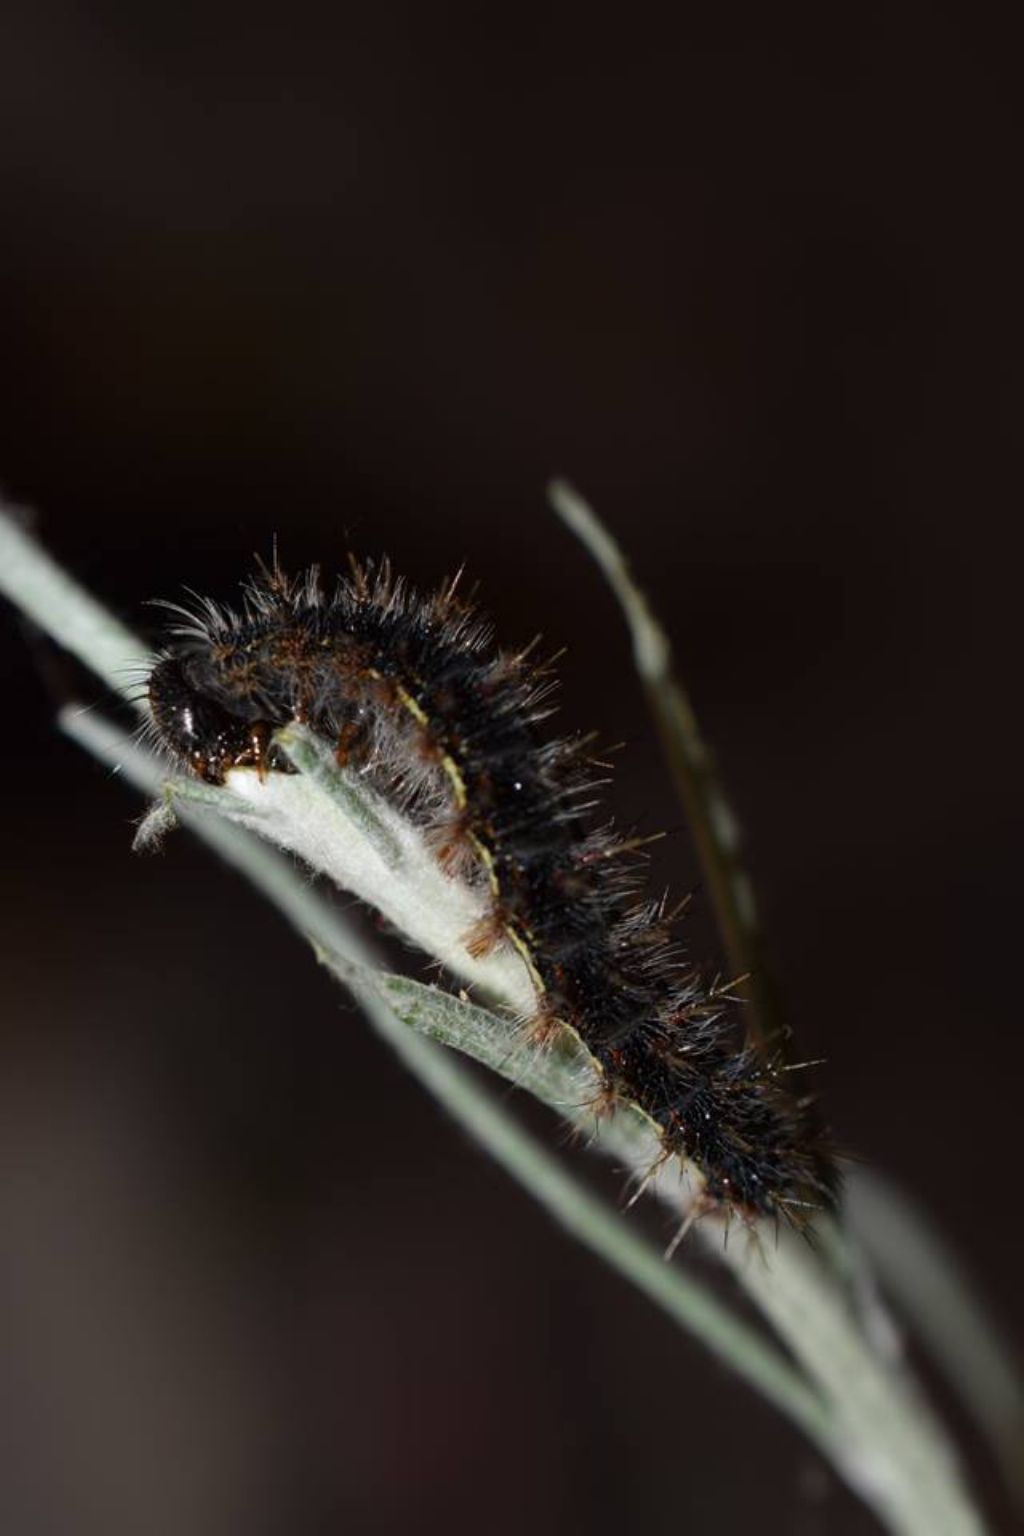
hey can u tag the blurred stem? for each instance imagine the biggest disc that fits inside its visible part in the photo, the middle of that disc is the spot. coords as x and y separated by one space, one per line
711 819
917 1267
938 1296
65 610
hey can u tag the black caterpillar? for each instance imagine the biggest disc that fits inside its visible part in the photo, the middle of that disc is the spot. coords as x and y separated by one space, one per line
412 690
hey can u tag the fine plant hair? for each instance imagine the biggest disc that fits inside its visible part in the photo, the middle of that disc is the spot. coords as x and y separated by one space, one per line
828 1353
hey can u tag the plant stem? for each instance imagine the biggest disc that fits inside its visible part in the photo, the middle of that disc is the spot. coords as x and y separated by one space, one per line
69 614
716 831
411 1017
858 1405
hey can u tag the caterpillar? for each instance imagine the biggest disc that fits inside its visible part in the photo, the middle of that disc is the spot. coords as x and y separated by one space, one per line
413 690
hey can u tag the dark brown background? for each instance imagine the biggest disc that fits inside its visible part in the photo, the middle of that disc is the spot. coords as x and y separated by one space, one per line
366 282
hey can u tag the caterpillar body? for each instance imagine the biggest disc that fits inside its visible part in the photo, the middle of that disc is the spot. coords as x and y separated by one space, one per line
413 691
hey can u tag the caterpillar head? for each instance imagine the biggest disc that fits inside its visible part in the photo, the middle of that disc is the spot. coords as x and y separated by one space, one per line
206 735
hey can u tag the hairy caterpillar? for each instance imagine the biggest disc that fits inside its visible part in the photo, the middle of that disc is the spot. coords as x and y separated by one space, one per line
413 691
